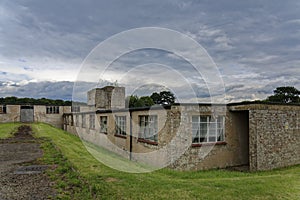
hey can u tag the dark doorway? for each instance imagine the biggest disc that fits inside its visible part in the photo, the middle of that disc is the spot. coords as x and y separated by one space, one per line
241 128
27 114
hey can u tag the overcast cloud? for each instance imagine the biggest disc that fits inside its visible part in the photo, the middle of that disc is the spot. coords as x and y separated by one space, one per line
255 44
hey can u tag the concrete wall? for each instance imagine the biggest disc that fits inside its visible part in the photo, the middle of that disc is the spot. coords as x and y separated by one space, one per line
174 138
261 136
12 114
56 119
108 97
232 152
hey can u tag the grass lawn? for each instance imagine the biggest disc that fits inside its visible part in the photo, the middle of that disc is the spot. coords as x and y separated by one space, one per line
90 179
7 128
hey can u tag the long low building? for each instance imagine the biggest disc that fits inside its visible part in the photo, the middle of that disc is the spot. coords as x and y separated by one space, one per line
181 136
34 113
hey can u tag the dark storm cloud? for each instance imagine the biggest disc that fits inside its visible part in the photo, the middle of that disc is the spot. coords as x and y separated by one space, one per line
255 44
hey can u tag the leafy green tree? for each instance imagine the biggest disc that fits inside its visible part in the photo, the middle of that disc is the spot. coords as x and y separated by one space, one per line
133 99
162 98
32 101
167 97
156 98
287 94
147 101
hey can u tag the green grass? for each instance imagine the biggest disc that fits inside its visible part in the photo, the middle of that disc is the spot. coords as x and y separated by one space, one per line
80 176
6 129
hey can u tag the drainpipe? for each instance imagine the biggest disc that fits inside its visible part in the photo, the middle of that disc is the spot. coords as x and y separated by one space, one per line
130 138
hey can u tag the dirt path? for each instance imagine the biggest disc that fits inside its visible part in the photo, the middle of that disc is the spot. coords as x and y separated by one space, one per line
19 177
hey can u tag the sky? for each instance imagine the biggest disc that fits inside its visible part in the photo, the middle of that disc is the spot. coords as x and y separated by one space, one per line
46 45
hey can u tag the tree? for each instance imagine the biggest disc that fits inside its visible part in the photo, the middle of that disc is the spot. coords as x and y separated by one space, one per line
32 101
135 101
167 97
287 94
163 98
147 101
156 98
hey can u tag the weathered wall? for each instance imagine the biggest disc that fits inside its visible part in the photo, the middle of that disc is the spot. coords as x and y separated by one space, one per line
56 120
12 114
175 137
274 136
118 98
108 97
263 136
232 152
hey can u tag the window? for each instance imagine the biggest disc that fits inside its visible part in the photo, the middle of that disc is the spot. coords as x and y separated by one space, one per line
75 109
71 119
207 129
92 121
148 127
66 120
52 109
120 125
76 120
103 124
83 121
2 109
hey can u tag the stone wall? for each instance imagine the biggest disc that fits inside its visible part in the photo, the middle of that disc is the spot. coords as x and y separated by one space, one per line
274 136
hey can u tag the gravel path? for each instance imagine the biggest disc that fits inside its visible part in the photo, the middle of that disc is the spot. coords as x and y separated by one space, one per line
17 181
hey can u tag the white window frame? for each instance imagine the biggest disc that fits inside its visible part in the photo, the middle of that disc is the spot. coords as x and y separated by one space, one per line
208 129
121 125
148 127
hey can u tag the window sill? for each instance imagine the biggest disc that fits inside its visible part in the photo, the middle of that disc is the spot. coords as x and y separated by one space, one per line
105 133
208 144
120 136
147 141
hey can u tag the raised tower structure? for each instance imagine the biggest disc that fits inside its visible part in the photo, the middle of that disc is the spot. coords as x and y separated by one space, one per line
106 98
